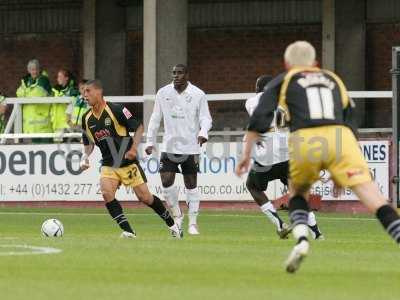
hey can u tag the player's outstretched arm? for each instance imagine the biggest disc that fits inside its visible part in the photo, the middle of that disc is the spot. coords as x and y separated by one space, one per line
205 121
154 125
137 138
250 138
87 150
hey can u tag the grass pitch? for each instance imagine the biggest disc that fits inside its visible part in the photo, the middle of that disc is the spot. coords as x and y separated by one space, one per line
237 256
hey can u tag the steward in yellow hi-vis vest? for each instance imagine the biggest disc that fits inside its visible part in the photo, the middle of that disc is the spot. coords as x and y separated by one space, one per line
75 111
66 87
35 117
77 107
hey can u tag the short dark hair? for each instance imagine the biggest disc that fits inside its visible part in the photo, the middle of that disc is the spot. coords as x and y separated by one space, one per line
96 83
184 67
262 81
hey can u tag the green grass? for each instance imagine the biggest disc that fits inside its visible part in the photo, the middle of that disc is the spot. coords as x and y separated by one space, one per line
237 256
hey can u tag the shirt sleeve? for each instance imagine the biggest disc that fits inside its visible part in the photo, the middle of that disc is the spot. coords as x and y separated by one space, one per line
349 118
251 103
204 118
263 115
154 123
247 106
125 117
85 138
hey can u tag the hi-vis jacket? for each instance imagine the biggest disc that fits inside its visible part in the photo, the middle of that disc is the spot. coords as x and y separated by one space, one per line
58 110
35 117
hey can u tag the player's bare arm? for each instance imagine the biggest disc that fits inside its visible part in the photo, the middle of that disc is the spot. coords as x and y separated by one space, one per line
205 121
132 153
250 139
87 149
152 129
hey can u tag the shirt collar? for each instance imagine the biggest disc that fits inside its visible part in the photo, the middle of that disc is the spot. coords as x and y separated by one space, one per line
188 88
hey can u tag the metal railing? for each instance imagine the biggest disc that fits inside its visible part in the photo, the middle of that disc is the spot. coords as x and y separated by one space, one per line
15 120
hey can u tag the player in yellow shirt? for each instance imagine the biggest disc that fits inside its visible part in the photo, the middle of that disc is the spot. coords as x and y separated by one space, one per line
318 110
107 125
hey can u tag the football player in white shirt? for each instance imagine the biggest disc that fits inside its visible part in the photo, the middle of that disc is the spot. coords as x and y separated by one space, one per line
271 163
184 110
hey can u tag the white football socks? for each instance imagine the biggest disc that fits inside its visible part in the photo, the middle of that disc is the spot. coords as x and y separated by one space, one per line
171 197
299 231
193 202
269 210
312 221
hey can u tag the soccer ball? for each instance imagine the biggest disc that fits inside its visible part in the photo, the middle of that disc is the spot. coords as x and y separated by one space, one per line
52 228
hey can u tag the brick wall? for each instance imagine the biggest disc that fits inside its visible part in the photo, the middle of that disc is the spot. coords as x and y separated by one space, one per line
54 51
380 38
229 61
223 61
226 61
220 60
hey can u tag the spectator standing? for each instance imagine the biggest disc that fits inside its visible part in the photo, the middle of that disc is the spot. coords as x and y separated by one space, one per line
77 107
65 87
35 117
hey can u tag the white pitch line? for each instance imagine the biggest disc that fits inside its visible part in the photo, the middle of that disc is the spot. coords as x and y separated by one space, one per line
217 215
32 250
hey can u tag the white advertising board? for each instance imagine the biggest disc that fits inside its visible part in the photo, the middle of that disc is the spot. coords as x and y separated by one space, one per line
51 172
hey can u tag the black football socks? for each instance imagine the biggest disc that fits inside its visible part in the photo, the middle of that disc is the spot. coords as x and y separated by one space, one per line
390 220
298 213
115 210
160 210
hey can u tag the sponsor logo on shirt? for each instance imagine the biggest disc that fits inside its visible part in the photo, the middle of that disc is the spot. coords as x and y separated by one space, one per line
107 122
102 134
352 173
177 112
177 117
188 98
127 113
